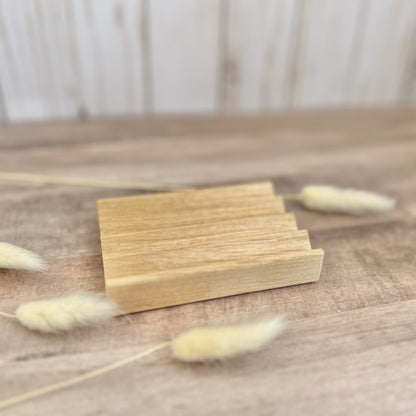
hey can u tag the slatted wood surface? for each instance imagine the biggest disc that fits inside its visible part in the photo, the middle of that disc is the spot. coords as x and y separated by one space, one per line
349 348
148 263
97 58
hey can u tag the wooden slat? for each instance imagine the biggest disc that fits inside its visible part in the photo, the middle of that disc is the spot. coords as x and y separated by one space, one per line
111 43
258 45
76 59
189 235
326 45
377 77
184 51
170 218
38 70
407 94
143 259
219 279
3 113
187 208
216 197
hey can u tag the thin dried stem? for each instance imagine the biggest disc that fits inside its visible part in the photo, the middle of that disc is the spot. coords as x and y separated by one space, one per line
59 180
8 315
78 379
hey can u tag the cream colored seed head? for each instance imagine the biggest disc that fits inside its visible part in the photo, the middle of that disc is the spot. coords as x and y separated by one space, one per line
14 257
66 312
213 343
347 201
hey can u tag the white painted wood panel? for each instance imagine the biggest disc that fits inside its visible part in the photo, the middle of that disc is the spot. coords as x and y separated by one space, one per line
326 47
407 94
98 58
184 54
386 45
36 67
408 90
258 53
3 113
110 42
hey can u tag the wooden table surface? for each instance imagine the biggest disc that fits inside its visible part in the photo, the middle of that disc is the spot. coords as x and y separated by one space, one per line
350 348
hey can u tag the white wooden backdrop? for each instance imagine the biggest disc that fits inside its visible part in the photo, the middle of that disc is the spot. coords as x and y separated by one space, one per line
97 58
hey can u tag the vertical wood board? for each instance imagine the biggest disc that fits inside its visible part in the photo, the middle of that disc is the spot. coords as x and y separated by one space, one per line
326 42
184 54
386 45
38 68
110 41
258 46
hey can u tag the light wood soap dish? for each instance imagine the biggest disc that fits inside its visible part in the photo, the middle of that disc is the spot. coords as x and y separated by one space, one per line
173 248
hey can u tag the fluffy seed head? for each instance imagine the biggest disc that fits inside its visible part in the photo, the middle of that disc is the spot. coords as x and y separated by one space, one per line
14 257
66 312
213 343
347 201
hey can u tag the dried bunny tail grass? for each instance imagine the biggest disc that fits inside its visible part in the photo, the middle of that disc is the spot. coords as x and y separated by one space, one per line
66 312
347 201
199 344
214 343
14 257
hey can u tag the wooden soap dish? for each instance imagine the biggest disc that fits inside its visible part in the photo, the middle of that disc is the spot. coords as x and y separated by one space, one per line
173 248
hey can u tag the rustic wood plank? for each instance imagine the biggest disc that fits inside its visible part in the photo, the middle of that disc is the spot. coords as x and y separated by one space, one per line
216 279
76 59
257 48
189 235
319 126
374 346
387 50
111 46
124 262
215 197
39 69
188 207
407 94
3 112
326 44
148 222
351 337
184 53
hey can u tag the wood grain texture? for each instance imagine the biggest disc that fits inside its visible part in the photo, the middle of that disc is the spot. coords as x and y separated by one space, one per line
388 51
38 70
184 54
78 59
349 348
111 44
325 54
190 235
248 268
407 93
163 267
187 208
3 112
258 45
